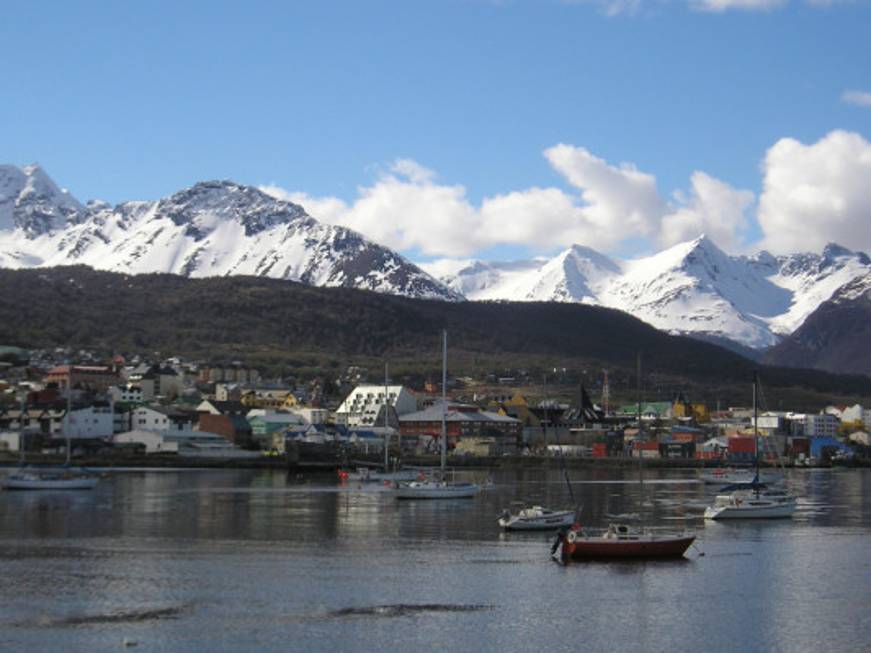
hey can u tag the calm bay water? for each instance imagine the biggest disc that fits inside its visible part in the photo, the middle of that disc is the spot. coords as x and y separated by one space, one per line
245 560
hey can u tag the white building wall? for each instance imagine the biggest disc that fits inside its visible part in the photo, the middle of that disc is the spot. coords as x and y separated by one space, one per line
362 406
87 423
819 426
146 419
154 442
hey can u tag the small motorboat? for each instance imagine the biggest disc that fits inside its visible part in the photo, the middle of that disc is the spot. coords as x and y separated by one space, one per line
619 541
535 518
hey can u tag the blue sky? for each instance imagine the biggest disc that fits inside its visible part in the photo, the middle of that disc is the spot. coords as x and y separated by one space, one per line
322 99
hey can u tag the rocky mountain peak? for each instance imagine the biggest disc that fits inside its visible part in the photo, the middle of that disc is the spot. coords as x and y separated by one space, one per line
31 202
205 204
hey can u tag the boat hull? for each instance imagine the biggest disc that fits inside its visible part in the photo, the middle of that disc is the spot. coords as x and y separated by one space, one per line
778 511
542 523
436 491
642 548
370 476
14 483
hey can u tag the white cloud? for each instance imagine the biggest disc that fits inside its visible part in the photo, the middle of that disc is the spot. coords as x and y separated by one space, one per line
719 6
406 209
611 7
713 208
859 98
634 7
615 197
815 194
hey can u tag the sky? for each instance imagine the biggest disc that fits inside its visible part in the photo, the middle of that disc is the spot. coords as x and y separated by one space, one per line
456 129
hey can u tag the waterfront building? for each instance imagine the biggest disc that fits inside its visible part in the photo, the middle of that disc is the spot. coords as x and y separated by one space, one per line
87 377
461 421
364 405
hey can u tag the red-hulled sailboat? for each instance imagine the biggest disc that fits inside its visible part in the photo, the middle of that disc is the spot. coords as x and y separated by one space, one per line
620 540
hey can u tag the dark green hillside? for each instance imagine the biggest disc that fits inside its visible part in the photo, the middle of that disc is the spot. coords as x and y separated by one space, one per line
282 326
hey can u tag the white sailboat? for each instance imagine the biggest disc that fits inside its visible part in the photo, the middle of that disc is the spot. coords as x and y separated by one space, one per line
439 487
533 517
369 475
536 518
64 477
752 500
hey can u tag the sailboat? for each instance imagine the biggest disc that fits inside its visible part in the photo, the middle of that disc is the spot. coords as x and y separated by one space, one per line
64 477
439 487
533 517
621 540
369 475
753 500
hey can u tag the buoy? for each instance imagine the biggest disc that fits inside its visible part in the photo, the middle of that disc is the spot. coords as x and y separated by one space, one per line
129 642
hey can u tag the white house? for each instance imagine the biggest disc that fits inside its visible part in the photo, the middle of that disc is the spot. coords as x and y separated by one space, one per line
89 423
149 419
363 407
130 394
152 418
154 441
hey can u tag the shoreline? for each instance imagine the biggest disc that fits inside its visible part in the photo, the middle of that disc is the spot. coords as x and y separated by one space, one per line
158 461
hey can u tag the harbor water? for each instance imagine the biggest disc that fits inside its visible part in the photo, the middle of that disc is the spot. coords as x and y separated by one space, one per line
213 560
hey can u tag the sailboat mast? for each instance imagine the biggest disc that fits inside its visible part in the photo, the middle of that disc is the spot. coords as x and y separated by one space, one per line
386 433
638 436
444 400
544 423
67 416
755 426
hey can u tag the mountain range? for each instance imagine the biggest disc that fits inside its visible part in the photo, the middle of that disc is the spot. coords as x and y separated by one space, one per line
221 228
214 228
287 328
691 288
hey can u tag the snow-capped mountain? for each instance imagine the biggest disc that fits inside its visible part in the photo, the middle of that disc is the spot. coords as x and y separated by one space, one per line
692 287
211 229
835 336
31 203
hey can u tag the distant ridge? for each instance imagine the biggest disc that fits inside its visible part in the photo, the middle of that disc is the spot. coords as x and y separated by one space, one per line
835 337
691 288
221 228
280 325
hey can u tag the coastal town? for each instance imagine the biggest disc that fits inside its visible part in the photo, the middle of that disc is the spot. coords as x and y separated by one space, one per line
176 412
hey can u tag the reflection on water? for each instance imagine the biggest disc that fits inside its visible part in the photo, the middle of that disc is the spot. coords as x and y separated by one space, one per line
243 560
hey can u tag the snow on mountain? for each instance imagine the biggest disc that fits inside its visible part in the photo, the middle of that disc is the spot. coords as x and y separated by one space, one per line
222 228
692 287
30 201
211 229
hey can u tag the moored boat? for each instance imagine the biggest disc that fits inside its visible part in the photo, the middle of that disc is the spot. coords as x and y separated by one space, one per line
622 541
536 518
439 487
53 479
751 500
619 541
434 489
751 504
